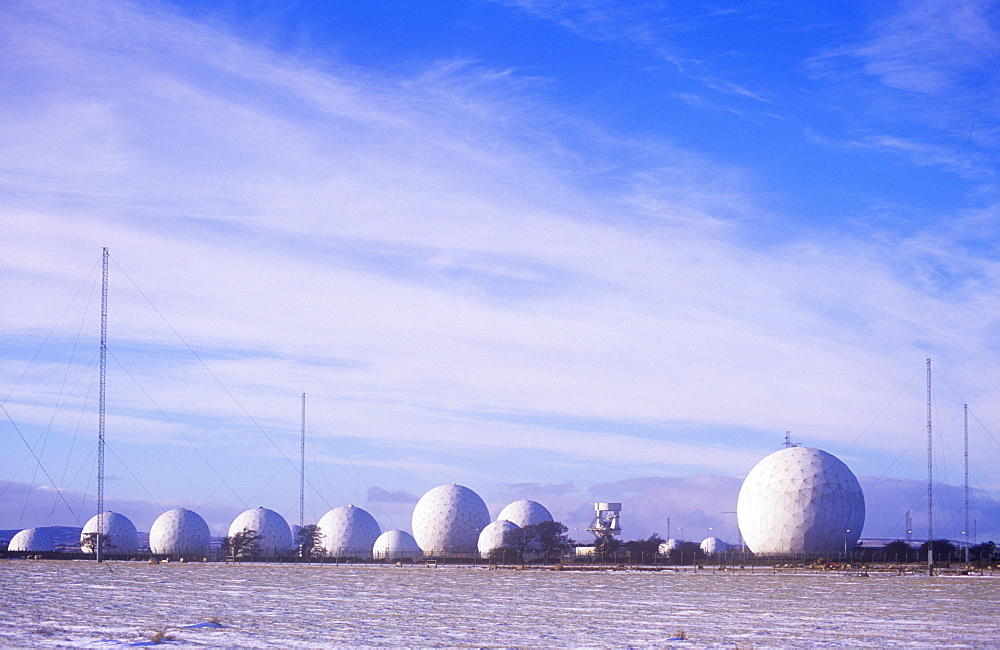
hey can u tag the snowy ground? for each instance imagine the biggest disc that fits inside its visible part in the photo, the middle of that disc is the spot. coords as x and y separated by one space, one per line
80 603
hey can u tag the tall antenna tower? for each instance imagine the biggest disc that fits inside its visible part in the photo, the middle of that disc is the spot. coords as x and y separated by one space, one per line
930 477
100 420
965 410
302 467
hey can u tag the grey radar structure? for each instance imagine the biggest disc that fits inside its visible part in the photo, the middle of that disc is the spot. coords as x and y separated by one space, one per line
525 513
275 535
448 519
800 500
117 532
348 531
395 545
33 539
179 531
607 521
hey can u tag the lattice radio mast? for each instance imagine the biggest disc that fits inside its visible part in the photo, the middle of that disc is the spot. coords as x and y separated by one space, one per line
930 476
302 467
965 410
100 421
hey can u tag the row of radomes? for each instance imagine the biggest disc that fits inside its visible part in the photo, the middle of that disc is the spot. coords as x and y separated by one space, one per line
447 519
796 500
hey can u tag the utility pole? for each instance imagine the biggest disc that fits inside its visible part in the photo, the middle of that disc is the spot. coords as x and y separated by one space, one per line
101 402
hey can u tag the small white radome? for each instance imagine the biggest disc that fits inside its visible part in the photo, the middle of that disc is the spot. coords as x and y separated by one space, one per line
118 531
33 539
275 535
492 536
395 545
525 513
348 531
179 531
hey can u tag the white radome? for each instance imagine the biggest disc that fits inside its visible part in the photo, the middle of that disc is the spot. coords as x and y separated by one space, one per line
800 500
669 545
179 531
275 535
525 513
395 545
33 539
713 546
492 536
348 531
448 519
118 531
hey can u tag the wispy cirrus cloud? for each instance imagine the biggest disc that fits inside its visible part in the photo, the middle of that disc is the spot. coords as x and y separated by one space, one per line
931 63
648 28
932 47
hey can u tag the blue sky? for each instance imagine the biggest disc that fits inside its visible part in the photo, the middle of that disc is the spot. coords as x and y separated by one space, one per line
561 251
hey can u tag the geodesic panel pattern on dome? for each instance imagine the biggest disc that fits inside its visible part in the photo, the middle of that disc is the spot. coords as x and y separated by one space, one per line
713 545
118 531
349 531
800 500
179 531
525 513
33 539
448 519
492 536
395 545
275 535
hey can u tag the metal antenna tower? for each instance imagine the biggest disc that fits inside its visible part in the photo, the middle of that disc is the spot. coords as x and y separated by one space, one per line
100 421
930 477
302 467
965 410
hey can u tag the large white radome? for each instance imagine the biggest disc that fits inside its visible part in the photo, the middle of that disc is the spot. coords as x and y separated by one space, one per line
395 545
349 531
800 500
118 531
275 535
525 513
448 519
179 532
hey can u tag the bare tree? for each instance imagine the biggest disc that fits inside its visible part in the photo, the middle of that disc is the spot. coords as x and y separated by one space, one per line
88 543
519 540
309 541
552 538
245 543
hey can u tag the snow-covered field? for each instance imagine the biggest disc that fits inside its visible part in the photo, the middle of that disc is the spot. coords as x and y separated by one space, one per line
77 603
